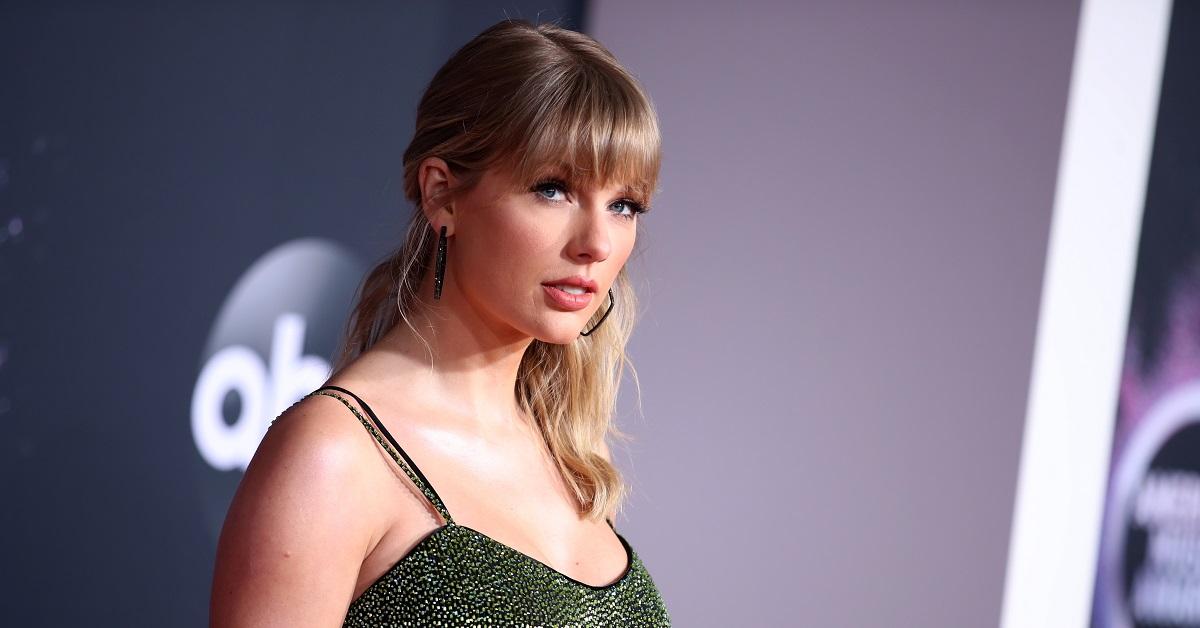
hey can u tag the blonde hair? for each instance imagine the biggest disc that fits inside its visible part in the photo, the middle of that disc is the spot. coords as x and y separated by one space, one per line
530 100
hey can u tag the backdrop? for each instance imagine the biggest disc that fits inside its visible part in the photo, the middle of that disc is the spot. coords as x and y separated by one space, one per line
840 283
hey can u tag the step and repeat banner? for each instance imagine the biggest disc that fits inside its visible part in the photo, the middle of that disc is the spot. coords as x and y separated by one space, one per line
189 197
1148 572
1106 530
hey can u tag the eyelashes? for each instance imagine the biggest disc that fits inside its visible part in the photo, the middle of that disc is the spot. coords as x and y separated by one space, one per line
633 206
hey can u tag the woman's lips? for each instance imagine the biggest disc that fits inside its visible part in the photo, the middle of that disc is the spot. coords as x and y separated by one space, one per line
566 300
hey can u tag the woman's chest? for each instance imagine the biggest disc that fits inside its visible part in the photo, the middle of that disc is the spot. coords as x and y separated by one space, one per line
459 576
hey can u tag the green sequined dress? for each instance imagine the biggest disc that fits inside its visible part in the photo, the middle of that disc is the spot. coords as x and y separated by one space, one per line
458 576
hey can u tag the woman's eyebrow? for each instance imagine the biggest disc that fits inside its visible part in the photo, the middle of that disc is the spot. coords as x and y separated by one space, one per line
635 193
623 191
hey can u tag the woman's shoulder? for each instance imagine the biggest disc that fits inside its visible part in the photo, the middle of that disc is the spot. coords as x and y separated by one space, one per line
300 521
314 455
318 430
334 437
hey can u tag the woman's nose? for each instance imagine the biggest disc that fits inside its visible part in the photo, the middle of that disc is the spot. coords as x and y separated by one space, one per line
591 243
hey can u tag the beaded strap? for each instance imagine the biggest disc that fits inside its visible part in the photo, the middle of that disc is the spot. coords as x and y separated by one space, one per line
397 453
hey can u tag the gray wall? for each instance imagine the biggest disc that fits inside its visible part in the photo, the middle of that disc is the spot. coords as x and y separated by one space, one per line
840 280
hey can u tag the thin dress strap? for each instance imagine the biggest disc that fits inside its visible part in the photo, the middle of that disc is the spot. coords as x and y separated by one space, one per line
395 450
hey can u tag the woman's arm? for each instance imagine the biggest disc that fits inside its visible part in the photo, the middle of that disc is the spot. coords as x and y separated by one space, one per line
299 526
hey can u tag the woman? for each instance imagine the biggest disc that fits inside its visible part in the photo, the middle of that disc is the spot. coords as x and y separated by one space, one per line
489 348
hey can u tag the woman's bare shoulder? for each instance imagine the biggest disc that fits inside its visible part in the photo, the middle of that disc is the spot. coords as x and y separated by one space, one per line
300 522
317 424
318 441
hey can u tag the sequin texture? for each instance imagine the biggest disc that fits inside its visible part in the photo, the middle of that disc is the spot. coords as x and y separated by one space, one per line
458 576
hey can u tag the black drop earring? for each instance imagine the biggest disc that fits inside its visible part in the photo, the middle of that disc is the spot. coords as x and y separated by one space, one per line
439 273
611 304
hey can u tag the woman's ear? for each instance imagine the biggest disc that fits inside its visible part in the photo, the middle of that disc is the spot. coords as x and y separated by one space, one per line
436 181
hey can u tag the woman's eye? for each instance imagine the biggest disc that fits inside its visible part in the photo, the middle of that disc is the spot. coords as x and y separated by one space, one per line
548 190
624 208
628 209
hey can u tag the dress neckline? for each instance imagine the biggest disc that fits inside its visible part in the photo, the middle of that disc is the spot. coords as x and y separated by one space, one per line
624 573
630 558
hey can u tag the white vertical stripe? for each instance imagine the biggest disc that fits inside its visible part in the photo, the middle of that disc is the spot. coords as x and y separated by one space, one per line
1098 205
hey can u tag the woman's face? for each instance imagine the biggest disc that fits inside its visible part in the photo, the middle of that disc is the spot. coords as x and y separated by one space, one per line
513 244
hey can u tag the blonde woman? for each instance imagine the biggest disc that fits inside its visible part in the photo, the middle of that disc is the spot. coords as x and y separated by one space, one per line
488 349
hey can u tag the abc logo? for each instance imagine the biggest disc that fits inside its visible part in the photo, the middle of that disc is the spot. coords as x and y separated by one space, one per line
264 388
270 345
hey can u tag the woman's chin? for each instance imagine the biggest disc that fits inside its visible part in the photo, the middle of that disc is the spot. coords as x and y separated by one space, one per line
558 334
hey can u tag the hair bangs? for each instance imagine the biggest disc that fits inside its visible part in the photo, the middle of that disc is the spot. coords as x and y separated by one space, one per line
595 132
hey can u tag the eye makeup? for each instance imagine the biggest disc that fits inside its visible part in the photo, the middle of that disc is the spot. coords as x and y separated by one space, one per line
634 208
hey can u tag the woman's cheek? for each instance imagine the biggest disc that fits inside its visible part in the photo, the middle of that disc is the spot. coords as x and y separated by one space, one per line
534 238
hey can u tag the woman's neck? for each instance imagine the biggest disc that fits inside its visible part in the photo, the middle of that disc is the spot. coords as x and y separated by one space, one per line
463 365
